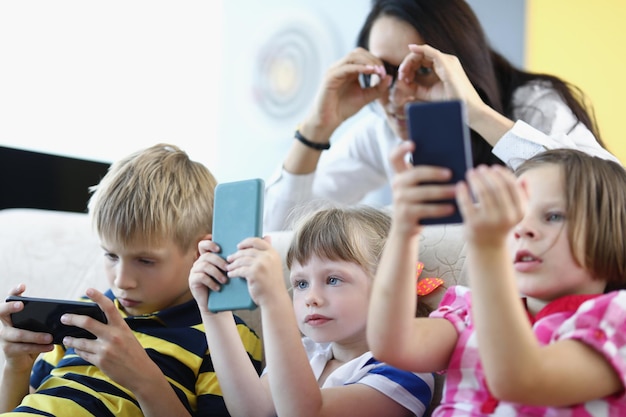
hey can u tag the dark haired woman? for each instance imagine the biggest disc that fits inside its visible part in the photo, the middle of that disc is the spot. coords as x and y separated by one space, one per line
444 53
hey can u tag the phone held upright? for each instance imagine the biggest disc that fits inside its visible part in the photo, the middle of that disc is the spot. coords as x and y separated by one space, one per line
237 214
441 135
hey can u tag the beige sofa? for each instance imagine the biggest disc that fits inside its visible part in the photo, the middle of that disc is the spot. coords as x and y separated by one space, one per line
57 255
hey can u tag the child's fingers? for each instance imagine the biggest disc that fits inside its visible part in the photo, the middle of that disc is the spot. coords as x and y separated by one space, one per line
399 154
207 246
464 201
254 242
211 266
105 304
210 262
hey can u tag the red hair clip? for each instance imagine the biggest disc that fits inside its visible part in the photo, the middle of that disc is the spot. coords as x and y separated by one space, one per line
426 285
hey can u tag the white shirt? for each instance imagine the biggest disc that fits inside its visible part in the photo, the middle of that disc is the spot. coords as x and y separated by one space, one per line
359 162
411 390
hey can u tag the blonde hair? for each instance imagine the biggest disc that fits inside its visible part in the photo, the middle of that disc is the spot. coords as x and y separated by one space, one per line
355 234
595 198
153 194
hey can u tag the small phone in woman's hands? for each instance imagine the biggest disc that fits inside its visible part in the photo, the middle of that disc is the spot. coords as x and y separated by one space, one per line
44 315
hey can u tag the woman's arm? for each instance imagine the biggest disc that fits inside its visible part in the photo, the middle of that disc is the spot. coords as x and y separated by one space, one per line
545 121
339 97
355 165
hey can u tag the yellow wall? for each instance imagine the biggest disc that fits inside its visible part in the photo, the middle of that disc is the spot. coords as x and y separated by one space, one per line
584 42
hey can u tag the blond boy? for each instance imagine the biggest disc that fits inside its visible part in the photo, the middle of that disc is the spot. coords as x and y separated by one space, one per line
151 358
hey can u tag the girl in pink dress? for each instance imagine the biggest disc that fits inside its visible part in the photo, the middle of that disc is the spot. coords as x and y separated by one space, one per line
553 235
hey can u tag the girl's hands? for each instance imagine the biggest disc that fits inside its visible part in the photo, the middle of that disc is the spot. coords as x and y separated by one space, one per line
261 265
414 191
341 94
435 76
500 204
20 347
255 260
207 274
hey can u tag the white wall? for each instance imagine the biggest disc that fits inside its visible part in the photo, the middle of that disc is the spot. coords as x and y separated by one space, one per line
100 79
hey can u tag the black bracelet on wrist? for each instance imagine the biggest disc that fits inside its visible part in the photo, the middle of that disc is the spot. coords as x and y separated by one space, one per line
306 142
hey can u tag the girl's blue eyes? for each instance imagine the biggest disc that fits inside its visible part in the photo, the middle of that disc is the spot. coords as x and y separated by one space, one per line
302 284
555 217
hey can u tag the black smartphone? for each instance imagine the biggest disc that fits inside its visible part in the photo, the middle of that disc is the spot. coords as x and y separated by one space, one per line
441 135
237 214
44 315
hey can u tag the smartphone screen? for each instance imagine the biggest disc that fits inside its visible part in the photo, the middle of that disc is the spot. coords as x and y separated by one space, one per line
237 214
441 136
44 315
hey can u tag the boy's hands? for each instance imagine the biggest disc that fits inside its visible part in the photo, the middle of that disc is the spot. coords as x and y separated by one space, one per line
20 347
500 204
116 350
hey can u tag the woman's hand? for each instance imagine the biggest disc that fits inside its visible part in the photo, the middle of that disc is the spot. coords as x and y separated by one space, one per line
341 95
435 76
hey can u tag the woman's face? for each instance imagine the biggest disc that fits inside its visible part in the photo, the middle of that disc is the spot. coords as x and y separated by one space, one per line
389 40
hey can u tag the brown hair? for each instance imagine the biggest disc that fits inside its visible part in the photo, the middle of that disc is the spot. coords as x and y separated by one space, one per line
154 194
353 234
595 198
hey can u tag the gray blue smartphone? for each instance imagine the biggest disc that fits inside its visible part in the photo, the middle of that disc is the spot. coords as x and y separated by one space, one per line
442 138
44 315
237 214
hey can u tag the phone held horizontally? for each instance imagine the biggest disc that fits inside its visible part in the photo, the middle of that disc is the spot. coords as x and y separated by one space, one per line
44 315
237 214
442 138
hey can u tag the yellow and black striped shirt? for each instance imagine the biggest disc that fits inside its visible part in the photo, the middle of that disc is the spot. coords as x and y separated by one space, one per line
175 340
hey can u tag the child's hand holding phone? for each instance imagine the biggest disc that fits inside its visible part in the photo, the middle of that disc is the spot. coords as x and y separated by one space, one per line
417 191
20 347
441 136
237 215
43 315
